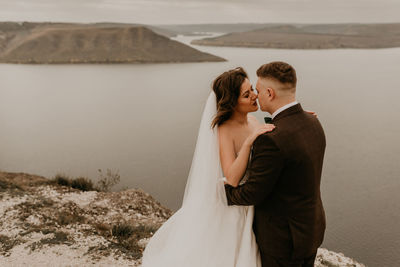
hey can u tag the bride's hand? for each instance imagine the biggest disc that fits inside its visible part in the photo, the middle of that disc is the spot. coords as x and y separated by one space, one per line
258 131
312 113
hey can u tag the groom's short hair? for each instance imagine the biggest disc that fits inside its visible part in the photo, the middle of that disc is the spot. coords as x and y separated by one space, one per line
279 71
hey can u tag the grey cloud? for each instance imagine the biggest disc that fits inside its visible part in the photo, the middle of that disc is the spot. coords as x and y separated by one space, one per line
206 11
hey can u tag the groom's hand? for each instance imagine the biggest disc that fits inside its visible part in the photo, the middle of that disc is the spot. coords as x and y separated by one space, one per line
312 113
265 167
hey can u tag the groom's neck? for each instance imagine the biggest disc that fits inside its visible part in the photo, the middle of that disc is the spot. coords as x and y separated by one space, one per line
282 103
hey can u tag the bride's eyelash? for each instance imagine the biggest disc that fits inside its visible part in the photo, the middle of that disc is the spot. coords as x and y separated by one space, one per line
247 94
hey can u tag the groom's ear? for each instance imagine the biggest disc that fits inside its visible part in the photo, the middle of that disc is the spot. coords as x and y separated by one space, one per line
271 93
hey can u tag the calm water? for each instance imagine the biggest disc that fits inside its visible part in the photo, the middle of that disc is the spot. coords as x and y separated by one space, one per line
143 119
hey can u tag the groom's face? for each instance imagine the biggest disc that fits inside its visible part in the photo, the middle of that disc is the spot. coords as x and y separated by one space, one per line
265 93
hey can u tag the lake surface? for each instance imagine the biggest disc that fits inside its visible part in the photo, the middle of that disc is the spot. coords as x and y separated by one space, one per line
142 120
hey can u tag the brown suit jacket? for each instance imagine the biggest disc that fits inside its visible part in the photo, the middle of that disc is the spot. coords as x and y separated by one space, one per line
284 186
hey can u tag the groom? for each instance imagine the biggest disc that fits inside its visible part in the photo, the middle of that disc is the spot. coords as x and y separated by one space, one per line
285 175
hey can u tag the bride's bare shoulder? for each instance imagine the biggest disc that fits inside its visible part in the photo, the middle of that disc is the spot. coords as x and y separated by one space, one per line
225 129
228 131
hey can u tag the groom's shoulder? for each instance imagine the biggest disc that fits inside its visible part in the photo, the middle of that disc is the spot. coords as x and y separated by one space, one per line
288 123
267 139
281 132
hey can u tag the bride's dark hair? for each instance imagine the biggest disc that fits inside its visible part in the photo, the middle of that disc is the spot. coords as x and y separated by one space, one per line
227 90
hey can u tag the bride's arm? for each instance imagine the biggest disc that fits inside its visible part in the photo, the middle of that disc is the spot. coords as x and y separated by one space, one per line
232 166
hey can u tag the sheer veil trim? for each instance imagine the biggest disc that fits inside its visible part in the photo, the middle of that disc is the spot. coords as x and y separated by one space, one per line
206 170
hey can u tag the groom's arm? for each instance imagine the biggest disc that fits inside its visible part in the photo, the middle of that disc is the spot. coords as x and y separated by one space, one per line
265 167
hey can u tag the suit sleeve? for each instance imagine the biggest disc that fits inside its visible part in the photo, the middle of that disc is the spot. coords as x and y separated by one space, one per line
265 168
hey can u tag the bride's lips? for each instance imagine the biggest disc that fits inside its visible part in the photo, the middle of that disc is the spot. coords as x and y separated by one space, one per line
255 103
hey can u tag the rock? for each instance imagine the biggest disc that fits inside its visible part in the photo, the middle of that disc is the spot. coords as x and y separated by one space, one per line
43 223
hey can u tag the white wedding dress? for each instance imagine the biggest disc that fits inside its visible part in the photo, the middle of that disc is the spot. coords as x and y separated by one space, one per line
205 231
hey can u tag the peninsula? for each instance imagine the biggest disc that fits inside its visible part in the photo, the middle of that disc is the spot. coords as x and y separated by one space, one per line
63 43
311 36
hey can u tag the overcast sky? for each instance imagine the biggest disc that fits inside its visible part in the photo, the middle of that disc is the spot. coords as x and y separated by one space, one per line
190 11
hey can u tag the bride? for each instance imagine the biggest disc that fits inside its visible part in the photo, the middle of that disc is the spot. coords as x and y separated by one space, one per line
205 231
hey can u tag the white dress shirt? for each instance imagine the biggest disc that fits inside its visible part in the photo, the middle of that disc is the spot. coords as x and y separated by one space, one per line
279 110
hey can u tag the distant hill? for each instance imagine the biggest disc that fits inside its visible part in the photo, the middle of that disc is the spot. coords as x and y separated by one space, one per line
312 36
193 29
9 26
91 43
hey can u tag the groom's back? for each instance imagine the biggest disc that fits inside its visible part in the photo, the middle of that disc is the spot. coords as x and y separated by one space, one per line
294 207
302 142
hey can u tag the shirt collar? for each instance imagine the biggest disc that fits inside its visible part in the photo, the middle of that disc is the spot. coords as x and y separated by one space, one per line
279 110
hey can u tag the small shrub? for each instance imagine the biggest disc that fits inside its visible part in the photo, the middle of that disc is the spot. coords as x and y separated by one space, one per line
7 243
144 231
128 237
3 185
41 228
68 218
122 230
6 185
59 238
61 179
104 184
102 227
44 202
82 183
46 231
108 180
137 232
25 208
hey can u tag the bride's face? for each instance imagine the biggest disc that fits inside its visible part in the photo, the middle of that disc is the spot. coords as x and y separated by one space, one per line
247 101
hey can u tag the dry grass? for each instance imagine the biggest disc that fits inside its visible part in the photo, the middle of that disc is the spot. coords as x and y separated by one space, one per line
80 183
69 218
83 184
128 235
7 243
58 238
27 208
55 213
108 180
104 184
13 189
62 179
